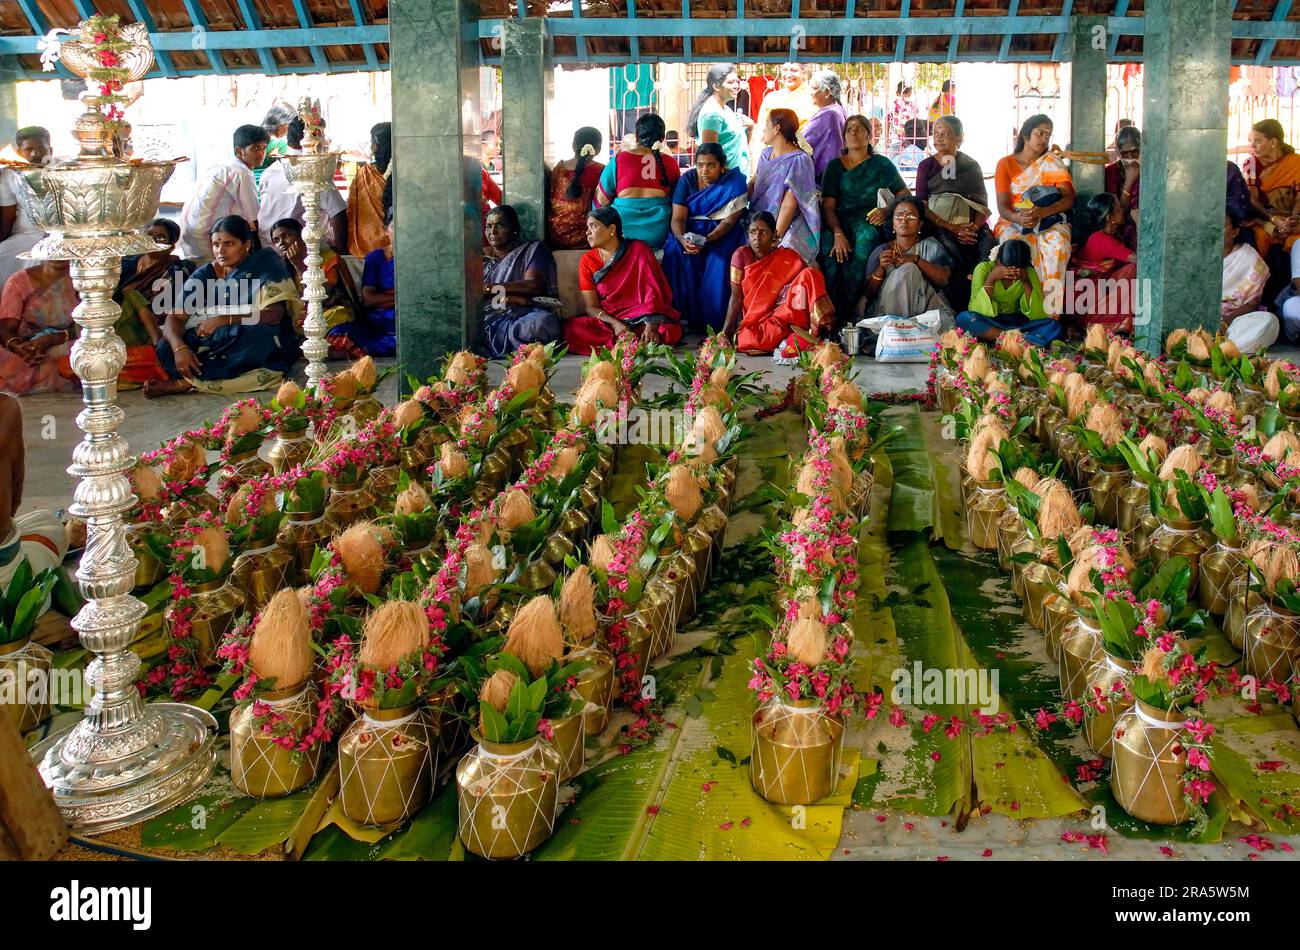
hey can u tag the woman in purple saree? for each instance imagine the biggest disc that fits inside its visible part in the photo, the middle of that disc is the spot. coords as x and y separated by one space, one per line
518 279
786 187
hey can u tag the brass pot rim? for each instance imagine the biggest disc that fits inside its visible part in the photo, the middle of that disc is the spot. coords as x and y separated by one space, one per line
504 750
389 715
14 646
1171 717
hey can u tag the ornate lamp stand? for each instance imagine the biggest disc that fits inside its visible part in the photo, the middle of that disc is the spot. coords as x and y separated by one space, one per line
126 760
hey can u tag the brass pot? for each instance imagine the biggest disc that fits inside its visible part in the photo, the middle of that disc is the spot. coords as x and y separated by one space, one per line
258 765
349 502
638 646
1058 614
1145 529
1223 464
1220 566
987 502
712 523
387 762
1081 650
148 569
258 573
1271 643
366 409
569 742
1146 775
558 547
1040 580
596 686
1047 420
508 796
1105 488
300 534
1109 671
382 483
657 612
1025 545
1251 400
1011 529
217 605
414 461
681 574
1176 537
795 752
1241 601
445 709
192 505
25 666
242 468
576 524
1133 502
290 448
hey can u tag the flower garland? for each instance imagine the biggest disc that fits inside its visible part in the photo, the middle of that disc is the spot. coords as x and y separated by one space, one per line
181 674
105 32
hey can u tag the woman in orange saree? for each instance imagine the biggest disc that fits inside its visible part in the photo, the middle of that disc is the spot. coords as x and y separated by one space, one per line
773 292
1273 174
366 196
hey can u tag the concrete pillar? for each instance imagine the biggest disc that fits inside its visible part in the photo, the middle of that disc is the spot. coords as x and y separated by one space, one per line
524 76
436 185
1088 99
1184 154
8 100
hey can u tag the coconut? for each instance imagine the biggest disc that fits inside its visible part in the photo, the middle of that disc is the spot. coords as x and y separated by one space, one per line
1112 435
534 635
516 510
566 460
720 377
1080 539
1198 396
1222 401
806 484
1079 399
577 606
682 491
698 451
1151 373
996 384
602 369
1185 457
1281 445
1012 343
413 501
708 422
343 385
452 463
1273 379
1153 443
1229 350
280 649
1103 416
236 513
526 376
602 390
585 411
1153 667
1057 513
480 569
1114 353
713 396
186 461
1095 338
1198 348
1175 339
460 368
407 413
287 394
145 482
362 552
496 691
801 517
487 426
842 470
393 631
247 420
1027 477
216 549
949 340
1250 495
809 608
535 353
1282 566
827 356
976 365
601 552
363 371
806 642
74 529
981 460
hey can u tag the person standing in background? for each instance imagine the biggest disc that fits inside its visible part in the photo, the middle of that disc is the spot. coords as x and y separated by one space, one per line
366 205
945 103
713 119
824 132
276 200
228 189
276 124
793 94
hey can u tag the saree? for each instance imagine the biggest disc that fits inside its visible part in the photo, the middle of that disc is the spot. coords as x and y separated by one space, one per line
1102 284
791 172
824 133
508 327
699 282
905 292
778 293
342 303
1278 185
566 219
854 191
235 350
966 180
1051 247
1244 277
38 310
374 331
366 211
632 288
1008 308
644 219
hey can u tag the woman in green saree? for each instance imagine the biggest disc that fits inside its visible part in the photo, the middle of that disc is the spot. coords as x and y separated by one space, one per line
852 220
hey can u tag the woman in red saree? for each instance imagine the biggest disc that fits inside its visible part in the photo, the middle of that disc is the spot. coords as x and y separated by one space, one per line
623 288
1104 267
773 292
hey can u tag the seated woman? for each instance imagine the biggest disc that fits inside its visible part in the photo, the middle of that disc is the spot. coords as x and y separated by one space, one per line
959 219
1273 173
342 303
623 288
1104 267
143 273
707 205
1026 182
773 292
639 183
853 221
374 332
908 273
36 330
241 335
1008 295
572 189
785 186
518 276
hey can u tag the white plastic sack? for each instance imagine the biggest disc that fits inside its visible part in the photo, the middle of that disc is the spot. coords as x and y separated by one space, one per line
1252 332
904 340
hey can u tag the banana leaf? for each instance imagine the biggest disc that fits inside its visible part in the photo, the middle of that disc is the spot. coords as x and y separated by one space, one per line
912 505
1240 744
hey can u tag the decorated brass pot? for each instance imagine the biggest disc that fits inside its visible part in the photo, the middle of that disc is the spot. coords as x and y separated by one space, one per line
656 611
300 534
291 447
1133 502
712 523
596 686
1039 580
241 468
349 502
1105 488
382 483
576 524
1080 651
1241 601
1019 564
1220 566
569 738
1058 615
217 606
795 752
638 646
25 674
148 569
1010 530
1146 774
1143 531
1106 674
258 765
259 572
1251 400
414 461
1271 643
1047 419
508 796
1178 537
387 762
366 409
987 502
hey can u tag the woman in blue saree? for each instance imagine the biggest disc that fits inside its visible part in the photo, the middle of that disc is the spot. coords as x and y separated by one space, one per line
785 186
518 285
235 332
708 203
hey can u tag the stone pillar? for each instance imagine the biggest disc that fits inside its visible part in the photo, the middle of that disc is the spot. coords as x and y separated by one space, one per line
436 184
1184 155
1088 99
8 101
524 77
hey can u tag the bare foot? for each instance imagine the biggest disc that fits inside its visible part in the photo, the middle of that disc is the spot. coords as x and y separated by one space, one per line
170 387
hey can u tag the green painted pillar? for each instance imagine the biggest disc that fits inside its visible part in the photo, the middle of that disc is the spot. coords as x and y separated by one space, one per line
1184 154
8 101
1088 99
436 186
524 77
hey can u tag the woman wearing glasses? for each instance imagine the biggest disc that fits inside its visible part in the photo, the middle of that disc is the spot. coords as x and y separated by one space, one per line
907 274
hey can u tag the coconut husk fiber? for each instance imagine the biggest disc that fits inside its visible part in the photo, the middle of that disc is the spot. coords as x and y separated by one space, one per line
828 356
1198 396
720 377
186 462
993 383
480 570
495 692
1057 513
806 484
1095 338
976 364
394 630
247 420
809 608
361 549
1079 582
525 376
1222 401
452 462
981 457
1112 435
343 385
1080 399
1103 416
1282 565
235 508
1151 373
713 396
413 500
1175 339
682 491
1080 539
708 423
534 635
486 430
516 510
1154 443
363 371
1281 445
287 394
407 413
841 469
699 452
535 353
806 642
843 395
1273 379
145 482
1185 458
1229 349
601 369
566 460
460 368
601 552
216 549
577 606
1012 343
280 649
1028 477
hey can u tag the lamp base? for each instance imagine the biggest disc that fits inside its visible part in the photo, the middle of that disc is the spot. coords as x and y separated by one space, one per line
108 780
